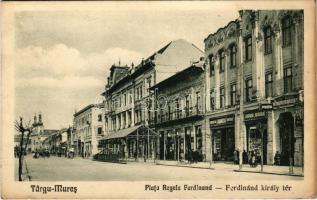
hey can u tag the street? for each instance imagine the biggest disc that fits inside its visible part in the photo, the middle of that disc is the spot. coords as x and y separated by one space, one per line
78 169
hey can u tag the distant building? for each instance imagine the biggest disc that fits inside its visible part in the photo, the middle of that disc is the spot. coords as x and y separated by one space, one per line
88 128
39 134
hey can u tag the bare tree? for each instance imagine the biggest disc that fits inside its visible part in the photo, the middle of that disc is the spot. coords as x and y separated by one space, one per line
22 129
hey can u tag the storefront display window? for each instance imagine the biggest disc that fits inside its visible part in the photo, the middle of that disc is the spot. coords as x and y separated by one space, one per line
223 144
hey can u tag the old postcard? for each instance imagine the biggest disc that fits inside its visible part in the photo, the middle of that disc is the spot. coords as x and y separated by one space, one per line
158 99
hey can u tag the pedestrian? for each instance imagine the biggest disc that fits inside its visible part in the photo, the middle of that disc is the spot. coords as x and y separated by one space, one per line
277 158
244 157
253 159
235 157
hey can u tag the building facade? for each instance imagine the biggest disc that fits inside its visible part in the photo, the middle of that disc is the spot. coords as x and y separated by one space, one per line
179 119
254 85
249 88
129 103
88 128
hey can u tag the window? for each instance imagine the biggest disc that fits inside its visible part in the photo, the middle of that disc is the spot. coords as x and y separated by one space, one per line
211 65
198 102
222 61
233 94
177 108
286 31
268 85
222 97
99 130
141 90
100 118
169 111
187 105
149 84
125 99
287 80
233 56
268 40
130 97
212 99
248 92
248 48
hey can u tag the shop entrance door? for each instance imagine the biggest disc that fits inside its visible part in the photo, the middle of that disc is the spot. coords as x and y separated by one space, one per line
223 144
287 138
170 146
254 142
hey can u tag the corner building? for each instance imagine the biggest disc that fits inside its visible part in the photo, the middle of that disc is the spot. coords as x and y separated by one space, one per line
88 129
254 87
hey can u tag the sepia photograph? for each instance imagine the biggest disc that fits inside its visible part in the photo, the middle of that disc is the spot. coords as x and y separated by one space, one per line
189 98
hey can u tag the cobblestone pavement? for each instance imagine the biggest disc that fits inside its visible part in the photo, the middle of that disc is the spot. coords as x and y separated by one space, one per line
78 169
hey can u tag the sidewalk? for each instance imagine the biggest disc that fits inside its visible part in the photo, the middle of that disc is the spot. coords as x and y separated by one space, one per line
271 169
267 169
200 165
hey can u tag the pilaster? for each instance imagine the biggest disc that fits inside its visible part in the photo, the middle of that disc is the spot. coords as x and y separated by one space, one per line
217 82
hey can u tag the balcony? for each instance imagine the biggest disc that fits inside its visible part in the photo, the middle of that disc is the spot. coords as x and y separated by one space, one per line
187 114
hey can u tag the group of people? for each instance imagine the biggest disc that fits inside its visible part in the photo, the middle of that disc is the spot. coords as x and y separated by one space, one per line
253 158
40 153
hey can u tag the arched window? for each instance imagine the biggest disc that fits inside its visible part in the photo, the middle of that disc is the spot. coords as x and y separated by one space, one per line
268 40
233 56
222 61
286 31
211 65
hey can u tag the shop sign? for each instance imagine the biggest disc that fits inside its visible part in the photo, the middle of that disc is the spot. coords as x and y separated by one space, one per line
284 102
221 121
266 106
249 116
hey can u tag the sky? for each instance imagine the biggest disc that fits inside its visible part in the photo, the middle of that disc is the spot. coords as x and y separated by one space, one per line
62 58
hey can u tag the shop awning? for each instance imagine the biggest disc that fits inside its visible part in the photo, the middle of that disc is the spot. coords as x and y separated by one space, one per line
121 133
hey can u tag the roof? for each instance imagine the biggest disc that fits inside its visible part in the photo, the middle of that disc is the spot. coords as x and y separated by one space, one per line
121 133
88 107
175 55
49 131
188 71
221 28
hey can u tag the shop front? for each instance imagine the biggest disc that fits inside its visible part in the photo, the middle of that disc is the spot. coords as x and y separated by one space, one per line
289 112
136 143
181 143
223 138
287 139
257 136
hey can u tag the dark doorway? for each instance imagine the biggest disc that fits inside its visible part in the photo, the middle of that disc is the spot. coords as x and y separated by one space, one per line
223 144
162 145
287 140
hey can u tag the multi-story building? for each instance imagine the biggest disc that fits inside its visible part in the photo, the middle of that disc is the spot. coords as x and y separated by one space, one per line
88 128
255 86
179 116
250 88
129 106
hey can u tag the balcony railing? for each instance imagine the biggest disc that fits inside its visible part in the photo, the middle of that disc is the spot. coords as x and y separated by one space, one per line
177 114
